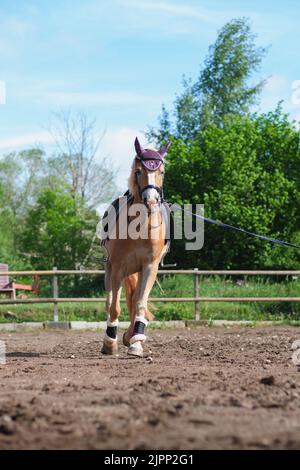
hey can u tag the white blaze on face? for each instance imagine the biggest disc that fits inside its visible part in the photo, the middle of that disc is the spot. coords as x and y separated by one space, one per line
151 194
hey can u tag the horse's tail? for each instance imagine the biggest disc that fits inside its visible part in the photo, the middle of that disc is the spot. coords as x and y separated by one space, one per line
149 314
130 284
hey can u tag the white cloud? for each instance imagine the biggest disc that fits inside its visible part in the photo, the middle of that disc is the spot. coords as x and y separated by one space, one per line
296 117
118 146
15 27
20 141
280 88
152 19
183 10
277 88
13 34
276 84
168 18
2 92
117 98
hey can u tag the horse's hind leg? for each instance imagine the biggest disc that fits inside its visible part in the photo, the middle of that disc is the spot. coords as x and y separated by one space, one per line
113 286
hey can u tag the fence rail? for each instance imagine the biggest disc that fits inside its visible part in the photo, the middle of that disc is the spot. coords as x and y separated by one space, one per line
197 299
162 271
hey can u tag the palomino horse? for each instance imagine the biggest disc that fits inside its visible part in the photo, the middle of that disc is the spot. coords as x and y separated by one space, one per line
134 261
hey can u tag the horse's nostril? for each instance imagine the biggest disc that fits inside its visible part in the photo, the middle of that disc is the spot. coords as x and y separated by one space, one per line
152 202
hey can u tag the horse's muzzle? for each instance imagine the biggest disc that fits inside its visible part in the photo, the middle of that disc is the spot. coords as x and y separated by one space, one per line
151 204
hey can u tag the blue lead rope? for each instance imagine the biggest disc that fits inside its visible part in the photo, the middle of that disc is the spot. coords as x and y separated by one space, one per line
237 229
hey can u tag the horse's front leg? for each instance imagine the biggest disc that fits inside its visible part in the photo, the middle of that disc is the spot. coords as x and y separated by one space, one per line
145 284
130 284
110 341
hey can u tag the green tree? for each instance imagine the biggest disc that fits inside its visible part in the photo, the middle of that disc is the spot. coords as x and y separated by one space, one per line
77 163
7 222
21 175
58 232
222 89
76 172
246 174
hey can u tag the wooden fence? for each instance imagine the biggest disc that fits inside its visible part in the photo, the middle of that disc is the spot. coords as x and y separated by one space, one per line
196 299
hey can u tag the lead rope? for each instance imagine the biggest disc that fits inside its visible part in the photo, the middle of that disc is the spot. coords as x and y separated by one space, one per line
237 229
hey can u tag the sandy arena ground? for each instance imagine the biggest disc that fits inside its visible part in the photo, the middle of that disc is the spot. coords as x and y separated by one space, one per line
206 388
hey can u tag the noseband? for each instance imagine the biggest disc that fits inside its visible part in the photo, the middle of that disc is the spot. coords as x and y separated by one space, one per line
148 186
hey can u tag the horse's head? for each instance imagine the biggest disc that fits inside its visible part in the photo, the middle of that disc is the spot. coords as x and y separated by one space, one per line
148 173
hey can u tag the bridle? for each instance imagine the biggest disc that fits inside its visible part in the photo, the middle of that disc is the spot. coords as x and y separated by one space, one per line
147 186
151 160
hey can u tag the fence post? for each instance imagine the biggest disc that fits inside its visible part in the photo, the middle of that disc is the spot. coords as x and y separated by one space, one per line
196 294
55 295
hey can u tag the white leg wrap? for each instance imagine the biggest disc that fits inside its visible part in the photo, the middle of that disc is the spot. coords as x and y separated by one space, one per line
136 338
112 323
136 349
139 336
141 319
109 339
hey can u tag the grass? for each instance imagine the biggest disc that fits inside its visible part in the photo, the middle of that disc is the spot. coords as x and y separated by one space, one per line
183 286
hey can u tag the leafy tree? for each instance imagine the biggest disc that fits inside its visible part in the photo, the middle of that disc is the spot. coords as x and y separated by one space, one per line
77 163
52 233
222 89
223 84
59 232
21 175
6 223
76 174
243 167
246 174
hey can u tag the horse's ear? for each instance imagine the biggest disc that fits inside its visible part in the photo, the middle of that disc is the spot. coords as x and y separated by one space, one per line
138 148
164 149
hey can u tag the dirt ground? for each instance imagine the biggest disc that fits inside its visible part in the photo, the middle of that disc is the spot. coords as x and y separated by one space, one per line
205 388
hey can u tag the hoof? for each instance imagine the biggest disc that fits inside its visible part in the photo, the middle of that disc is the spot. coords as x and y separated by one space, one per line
136 349
125 341
109 347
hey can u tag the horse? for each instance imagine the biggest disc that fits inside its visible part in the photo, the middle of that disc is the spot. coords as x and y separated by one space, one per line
133 261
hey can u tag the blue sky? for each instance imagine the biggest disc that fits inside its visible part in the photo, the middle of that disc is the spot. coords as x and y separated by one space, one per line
119 60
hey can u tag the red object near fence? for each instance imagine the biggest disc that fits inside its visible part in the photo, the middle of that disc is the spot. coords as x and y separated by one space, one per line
10 287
